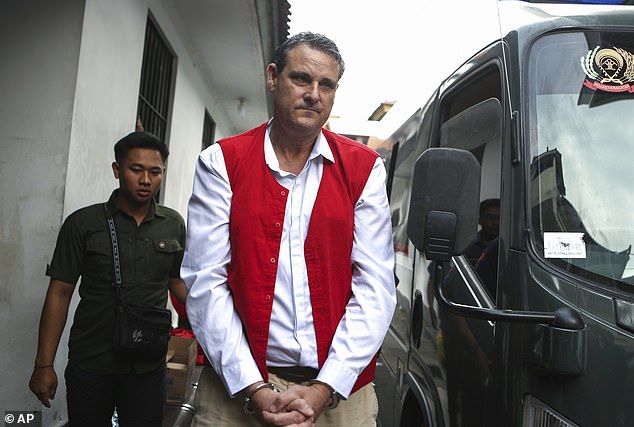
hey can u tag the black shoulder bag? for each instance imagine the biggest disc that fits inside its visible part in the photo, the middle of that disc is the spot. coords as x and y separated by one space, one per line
141 332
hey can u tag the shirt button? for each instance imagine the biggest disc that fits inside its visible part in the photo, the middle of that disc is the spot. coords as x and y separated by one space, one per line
277 225
283 193
267 297
273 260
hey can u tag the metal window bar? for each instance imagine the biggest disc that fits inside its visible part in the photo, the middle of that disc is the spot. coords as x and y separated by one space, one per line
156 81
209 127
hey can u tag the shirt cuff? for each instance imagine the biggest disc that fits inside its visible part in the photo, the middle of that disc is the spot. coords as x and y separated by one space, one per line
239 376
338 376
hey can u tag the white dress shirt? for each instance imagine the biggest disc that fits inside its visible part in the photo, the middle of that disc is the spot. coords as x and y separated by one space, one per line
292 340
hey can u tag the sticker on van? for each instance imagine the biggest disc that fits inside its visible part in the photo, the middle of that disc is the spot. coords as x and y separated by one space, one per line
564 245
609 69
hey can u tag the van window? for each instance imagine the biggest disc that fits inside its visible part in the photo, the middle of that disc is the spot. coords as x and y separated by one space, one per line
581 98
472 120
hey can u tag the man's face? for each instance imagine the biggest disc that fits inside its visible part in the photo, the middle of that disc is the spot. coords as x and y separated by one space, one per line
140 174
490 221
304 91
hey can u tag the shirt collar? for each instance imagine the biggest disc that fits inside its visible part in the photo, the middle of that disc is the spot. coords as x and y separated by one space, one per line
112 207
320 148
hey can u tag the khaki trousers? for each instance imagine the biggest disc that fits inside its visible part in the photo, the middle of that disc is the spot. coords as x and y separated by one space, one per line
214 408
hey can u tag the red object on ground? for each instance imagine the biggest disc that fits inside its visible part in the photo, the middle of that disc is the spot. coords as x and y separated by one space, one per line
182 332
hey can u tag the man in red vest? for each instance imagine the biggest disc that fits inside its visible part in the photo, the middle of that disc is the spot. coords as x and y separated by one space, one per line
289 259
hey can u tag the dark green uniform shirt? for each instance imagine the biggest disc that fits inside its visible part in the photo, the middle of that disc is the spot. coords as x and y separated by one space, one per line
151 254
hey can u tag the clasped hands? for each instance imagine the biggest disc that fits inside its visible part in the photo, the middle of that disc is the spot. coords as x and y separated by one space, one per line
299 406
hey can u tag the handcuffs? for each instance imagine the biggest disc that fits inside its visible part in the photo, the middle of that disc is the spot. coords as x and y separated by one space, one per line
334 396
246 401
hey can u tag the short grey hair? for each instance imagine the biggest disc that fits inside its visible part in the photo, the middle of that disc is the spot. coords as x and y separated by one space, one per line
313 40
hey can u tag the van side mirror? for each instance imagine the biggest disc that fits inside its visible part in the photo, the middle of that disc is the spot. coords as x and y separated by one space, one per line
443 221
443 210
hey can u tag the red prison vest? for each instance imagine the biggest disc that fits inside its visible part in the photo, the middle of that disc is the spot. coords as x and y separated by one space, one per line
255 229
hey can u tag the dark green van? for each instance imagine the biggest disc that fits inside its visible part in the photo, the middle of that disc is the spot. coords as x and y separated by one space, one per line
539 331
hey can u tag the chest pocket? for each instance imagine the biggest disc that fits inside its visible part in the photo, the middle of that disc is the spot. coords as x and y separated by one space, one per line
161 256
98 257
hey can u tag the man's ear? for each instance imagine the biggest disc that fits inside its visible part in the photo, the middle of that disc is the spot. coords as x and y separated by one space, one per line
115 169
271 76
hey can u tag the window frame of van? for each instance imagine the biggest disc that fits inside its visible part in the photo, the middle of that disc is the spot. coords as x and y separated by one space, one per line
485 69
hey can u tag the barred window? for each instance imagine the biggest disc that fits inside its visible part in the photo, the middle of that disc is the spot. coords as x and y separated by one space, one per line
209 129
155 92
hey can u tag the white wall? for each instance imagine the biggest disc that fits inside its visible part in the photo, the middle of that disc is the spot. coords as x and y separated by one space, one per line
69 83
109 71
106 96
39 47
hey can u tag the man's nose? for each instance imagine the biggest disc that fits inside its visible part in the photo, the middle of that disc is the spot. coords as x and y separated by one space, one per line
145 177
312 93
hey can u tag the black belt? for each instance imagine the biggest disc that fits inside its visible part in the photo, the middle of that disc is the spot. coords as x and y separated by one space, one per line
296 374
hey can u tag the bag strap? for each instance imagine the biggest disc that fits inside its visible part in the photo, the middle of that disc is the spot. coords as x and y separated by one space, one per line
118 279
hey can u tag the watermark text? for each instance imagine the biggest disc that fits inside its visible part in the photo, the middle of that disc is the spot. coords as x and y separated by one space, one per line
23 418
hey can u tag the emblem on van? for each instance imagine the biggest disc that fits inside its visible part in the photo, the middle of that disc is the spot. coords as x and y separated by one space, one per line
610 70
